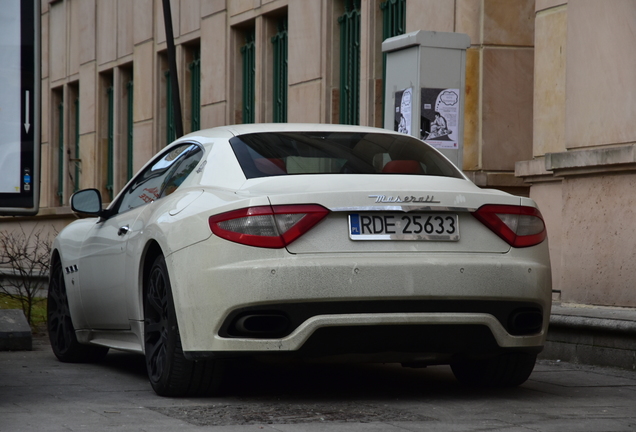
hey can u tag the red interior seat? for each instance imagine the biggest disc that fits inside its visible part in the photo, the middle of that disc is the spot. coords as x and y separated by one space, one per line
403 167
270 166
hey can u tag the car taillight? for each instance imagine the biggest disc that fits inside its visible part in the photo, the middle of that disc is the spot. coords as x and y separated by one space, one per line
519 226
267 226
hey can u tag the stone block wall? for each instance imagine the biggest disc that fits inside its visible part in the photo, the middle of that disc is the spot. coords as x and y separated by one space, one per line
583 169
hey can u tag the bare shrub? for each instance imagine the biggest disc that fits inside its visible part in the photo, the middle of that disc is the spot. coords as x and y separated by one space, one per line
24 257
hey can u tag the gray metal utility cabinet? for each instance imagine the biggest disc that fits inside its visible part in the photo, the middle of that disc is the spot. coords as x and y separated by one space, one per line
424 93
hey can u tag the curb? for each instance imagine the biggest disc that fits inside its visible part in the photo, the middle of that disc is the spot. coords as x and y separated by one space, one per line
592 335
587 323
15 332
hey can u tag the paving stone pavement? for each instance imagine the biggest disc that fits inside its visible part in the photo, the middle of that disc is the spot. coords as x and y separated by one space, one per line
38 393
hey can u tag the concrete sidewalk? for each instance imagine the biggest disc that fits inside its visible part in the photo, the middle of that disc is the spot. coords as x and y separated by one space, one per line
594 335
39 394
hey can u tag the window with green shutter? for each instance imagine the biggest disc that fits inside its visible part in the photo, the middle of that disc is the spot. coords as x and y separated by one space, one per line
350 63
129 129
76 161
111 142
393 24
279 42
60 153
195 90
248 54
393 18
171 132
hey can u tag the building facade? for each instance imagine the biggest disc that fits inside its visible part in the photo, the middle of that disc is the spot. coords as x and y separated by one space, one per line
583 167
547 100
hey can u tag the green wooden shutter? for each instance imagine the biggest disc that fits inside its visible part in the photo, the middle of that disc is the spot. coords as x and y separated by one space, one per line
350 63
279 42
77 145
393 24
171 132
248 52
129 126
195 91
393 18
60 153
111 142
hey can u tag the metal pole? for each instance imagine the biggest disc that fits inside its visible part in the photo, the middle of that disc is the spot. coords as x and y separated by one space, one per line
172 62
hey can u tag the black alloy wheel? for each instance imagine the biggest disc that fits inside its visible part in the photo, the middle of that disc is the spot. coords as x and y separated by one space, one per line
157 314
169 372
60 326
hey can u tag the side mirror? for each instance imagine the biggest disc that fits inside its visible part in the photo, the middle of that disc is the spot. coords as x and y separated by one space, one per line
88 201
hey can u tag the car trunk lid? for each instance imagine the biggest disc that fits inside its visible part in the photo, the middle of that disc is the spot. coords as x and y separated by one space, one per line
386 198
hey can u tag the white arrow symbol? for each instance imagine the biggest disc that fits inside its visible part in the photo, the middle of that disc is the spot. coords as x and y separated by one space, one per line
27 125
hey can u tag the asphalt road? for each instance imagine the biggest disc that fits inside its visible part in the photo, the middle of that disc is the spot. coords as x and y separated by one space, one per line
38 393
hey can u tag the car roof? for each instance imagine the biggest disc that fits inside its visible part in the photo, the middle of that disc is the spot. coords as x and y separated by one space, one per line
241 129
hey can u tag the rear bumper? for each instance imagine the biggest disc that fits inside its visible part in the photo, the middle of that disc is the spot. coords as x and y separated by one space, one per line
210 282
402 336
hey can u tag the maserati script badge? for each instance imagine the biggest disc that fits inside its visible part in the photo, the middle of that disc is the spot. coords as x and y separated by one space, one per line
406 199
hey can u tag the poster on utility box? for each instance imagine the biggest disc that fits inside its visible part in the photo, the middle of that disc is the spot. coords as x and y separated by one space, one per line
440 117
403 112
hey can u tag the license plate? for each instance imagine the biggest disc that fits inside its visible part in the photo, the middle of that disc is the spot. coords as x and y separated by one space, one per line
401 226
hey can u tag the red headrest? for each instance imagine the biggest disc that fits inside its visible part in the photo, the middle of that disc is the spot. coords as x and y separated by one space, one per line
403 167
270 166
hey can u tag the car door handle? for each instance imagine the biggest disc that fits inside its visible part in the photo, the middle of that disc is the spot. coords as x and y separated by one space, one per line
123 230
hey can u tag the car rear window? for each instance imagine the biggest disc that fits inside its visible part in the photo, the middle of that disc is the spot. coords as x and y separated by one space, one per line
293 153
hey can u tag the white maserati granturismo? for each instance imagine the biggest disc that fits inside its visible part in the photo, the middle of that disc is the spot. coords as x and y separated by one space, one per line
316 241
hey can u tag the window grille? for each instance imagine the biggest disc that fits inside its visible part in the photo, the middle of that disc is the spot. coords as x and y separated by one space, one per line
279 42
129 129
248 52
60 153
195 91
393 18
171 132
111 141
393 24
77 146
350 63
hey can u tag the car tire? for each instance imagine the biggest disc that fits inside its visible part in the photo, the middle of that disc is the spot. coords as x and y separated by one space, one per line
506 370
169 372
60 325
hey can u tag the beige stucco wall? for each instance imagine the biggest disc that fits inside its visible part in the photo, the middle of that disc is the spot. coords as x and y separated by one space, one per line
306 73
214 46
498 109
507 107
549 81
430 15
584 171
598 244
601 72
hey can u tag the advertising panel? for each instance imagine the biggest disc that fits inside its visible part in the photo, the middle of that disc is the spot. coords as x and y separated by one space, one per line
19 107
